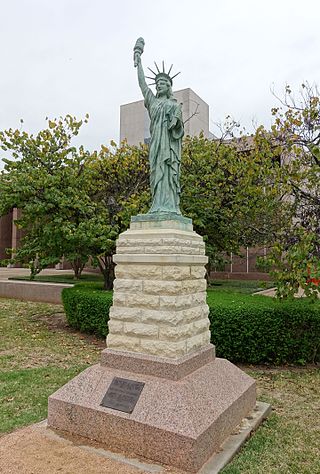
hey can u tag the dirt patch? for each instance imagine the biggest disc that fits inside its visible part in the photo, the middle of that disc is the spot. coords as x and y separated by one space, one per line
279 368
57 322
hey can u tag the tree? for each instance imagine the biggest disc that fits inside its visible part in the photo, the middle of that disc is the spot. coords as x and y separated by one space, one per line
119 186
47 180
296 131
74 204
228 189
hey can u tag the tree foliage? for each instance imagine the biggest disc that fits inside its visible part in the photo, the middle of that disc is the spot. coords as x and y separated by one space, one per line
230 191
119 186
74 203
296 131
46 179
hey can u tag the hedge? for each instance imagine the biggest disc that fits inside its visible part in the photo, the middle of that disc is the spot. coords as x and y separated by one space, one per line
244 328
259 329
87 307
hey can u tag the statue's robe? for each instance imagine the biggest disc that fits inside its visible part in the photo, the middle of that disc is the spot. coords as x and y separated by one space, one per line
165 152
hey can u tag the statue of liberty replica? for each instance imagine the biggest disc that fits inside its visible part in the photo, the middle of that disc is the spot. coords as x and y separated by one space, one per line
166 131
159 392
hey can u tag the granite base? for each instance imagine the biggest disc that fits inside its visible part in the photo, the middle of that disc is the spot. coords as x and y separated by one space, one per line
176 422
173 369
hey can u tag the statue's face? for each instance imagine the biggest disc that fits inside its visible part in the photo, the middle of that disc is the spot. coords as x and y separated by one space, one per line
162 87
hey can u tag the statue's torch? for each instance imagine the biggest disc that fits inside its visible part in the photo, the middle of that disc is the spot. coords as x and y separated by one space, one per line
138 50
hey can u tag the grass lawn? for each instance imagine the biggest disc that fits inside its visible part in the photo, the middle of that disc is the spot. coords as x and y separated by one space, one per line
38 354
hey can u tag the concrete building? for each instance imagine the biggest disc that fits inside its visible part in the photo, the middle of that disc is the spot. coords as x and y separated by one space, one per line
135 122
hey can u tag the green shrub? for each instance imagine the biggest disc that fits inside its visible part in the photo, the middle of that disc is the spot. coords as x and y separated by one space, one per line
259 329
87 307
244 328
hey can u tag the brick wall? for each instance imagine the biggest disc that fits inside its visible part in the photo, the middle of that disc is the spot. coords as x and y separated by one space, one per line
5 234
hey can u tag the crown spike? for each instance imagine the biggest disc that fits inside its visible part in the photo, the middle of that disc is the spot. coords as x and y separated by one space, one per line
157 67
154 73
176 75
163 73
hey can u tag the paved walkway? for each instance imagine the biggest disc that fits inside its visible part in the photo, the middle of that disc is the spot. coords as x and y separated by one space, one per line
38 450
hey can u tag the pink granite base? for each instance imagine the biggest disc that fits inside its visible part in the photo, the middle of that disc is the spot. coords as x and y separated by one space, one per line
173 369
175 422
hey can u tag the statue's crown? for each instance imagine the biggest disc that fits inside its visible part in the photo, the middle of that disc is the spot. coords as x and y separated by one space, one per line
161 74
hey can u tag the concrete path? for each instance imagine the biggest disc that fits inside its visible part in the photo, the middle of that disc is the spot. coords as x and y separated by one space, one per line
269 292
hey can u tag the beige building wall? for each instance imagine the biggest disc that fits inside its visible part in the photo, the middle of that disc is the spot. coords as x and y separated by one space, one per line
195 112
133 118
135 122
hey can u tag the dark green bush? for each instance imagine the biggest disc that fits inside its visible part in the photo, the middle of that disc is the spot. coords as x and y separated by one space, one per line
244 328
87 307
259 329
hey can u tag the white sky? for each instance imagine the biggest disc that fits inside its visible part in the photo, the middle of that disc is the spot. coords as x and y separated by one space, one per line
75 56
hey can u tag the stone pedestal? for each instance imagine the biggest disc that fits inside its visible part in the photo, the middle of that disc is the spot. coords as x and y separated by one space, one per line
159 304
159 335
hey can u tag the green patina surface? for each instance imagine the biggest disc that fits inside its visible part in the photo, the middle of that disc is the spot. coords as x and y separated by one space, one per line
166 130
162 220
161 216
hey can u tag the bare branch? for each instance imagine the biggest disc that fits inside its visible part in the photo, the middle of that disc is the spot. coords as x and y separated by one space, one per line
193 114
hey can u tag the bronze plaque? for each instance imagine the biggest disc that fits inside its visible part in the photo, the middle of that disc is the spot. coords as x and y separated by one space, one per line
122 394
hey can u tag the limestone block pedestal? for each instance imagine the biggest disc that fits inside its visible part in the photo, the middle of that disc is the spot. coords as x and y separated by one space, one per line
159 305
159 335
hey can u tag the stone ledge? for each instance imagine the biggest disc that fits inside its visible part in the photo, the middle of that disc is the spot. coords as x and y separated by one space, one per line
157 366
160 249
41 292
160 233
161 259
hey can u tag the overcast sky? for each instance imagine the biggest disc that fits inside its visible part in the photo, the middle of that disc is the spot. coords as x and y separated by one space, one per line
75 57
